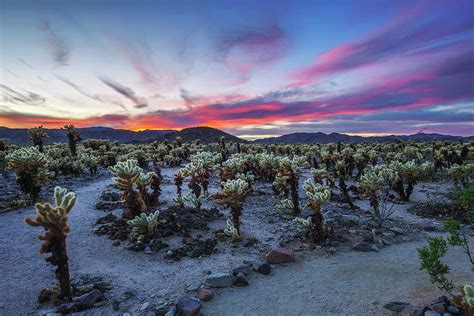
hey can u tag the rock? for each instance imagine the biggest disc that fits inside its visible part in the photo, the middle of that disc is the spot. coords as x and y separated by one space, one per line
126 295
397 230
81 303
220 279
454 310
364 246
205 293
432 313
265 269
242 269
144 306
249 242
161 310
188 307
396 307
280 255
148 250
116 243
241 280
115 305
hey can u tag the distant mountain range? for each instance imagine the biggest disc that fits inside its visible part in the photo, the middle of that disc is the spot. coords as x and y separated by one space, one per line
212 135
309 138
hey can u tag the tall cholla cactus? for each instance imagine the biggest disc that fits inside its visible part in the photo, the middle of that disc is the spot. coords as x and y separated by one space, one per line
53 218
376 183
462 174
143 181
144 225
74 136
287 179
127 173
320 230
36 135
234 192
31 170
341 170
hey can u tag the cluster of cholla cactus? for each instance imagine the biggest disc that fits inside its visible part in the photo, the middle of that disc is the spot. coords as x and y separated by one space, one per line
153 180
342 170
198 170
144 226
408 174
53 218
31 169
37 134
126 177
376 183
317 229
233 195
286 180
462 174
74 136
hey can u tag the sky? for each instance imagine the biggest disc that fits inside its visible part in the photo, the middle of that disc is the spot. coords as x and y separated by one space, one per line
253 68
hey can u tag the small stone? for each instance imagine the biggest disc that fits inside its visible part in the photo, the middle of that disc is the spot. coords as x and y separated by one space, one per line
242 269
205 293
264 268
396 307
364 246
241 280
116 243
454 310
280 255
148 250
188 307
144 306
220 279
115 305
432 313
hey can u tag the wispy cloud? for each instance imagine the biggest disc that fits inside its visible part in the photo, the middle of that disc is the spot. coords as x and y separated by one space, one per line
10 95
96 97
127 92
59 48
243 50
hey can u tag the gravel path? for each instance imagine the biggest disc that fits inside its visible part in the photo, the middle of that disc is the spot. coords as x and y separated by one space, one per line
348 283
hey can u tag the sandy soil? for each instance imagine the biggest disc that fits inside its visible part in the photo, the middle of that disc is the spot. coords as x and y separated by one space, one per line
352 282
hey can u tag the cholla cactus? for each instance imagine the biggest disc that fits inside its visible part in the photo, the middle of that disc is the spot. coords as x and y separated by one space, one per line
231 231
126 175
303 223
234 192
143 181
144 225
320 174
468 296
341 170
74 137
53 218
178 199
194 200
287 179
376 183
36 135
318 195
31 170
462 174
91 161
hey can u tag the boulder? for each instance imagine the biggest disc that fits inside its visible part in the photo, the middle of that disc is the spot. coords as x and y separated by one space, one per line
280 255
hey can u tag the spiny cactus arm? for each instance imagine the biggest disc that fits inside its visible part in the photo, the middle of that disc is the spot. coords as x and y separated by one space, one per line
231 231
304 223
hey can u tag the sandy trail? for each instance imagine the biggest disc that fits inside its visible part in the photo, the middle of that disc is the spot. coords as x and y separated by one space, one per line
349 283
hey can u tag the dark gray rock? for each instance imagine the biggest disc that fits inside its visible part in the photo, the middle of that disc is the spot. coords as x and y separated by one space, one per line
365 246
220 279
188 307
241 280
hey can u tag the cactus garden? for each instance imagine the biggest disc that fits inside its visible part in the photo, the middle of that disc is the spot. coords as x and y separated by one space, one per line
177 211
237 157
